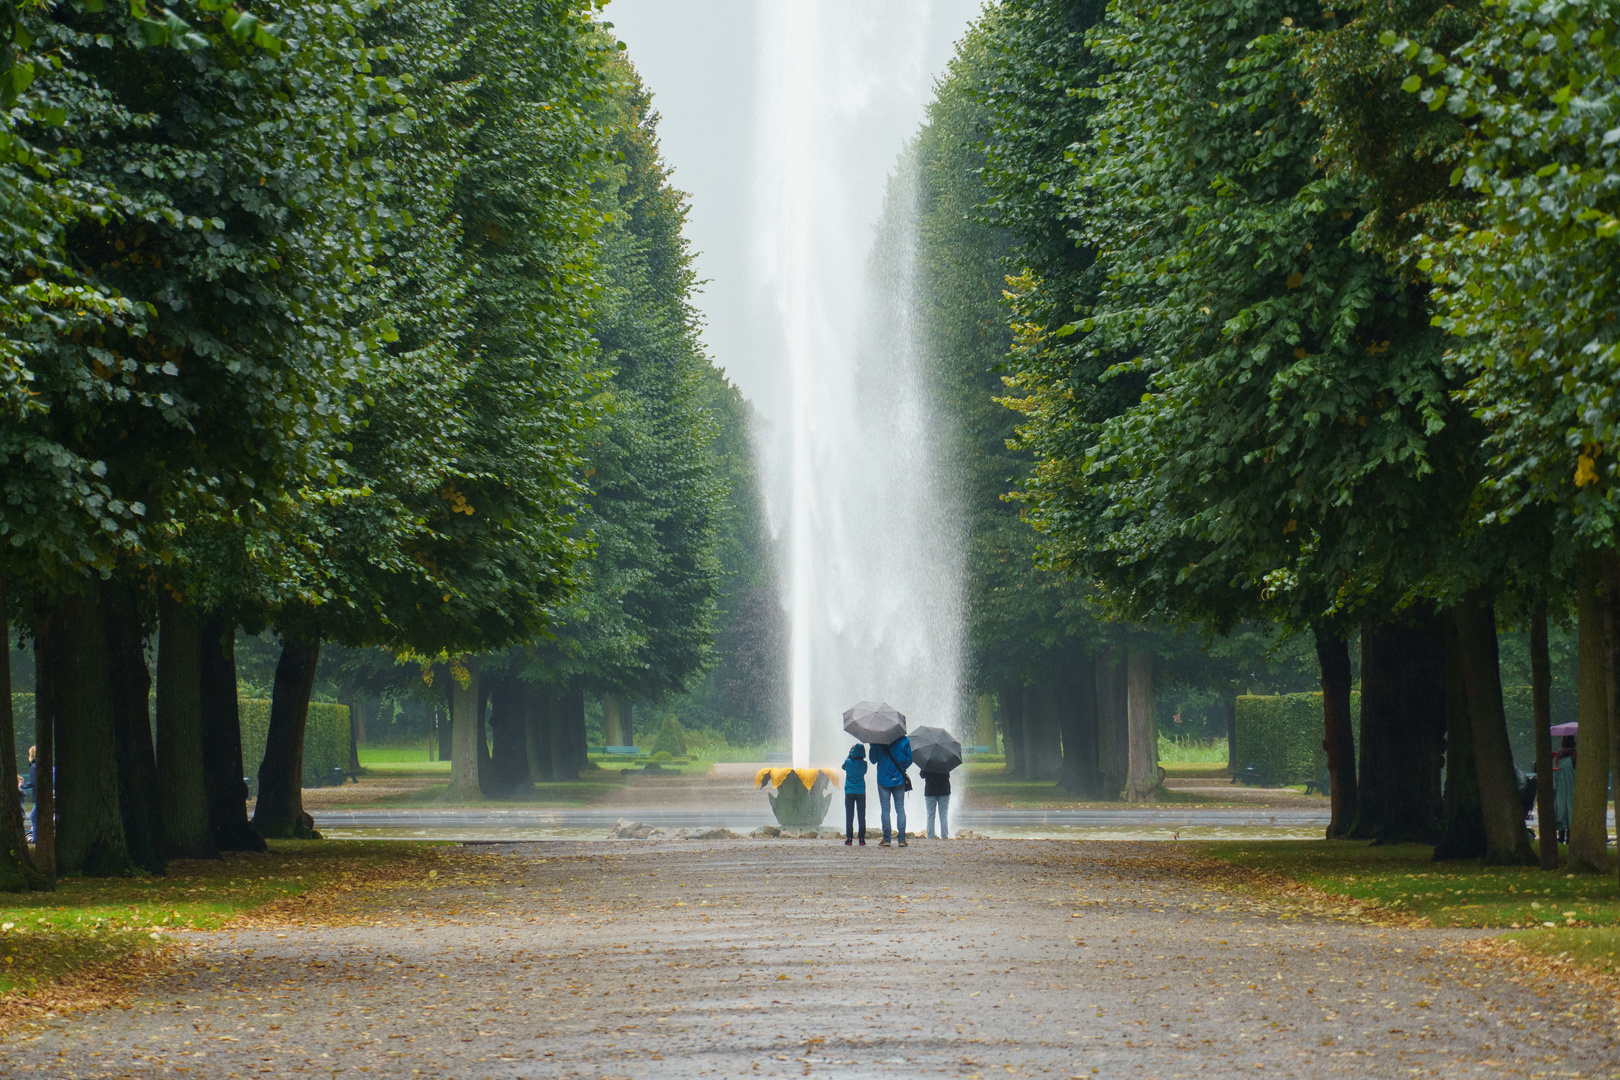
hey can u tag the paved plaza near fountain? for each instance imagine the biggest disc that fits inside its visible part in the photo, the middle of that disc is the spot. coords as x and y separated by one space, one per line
806 958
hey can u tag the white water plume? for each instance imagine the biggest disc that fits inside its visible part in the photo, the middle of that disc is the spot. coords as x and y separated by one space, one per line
874 547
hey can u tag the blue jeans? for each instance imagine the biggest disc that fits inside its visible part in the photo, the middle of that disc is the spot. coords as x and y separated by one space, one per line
855 811
942 804
897 796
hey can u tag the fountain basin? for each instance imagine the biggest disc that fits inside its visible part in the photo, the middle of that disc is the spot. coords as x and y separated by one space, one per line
799 797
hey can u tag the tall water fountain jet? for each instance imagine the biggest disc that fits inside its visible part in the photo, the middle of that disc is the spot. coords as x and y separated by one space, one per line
875 553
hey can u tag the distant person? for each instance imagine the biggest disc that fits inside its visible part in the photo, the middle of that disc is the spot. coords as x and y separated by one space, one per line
855 794
937 799
1564 788
892 761
30 790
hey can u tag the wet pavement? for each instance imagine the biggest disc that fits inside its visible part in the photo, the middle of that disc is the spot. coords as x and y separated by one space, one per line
805 958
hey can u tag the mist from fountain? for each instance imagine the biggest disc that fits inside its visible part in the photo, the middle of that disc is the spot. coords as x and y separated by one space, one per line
874 548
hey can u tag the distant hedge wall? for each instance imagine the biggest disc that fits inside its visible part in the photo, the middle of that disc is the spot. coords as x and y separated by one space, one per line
326 738
1281 734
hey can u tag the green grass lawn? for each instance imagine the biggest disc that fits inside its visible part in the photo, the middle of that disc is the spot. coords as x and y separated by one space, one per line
1553 913
44 935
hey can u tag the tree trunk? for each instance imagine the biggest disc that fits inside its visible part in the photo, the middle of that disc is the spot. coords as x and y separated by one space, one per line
357 724
224 775
1464 835
184 797
1338 738
509 763
445 729
1043 734
1611 567
1541 710
627 718
1403 730
1012 729
90 836
481 728
1588 827
1078 702
1507 841
1113 724
131 683
279 812
568 756
1231 738
612 721
466 722
1144 761
17 871
537 719
49 650
984 720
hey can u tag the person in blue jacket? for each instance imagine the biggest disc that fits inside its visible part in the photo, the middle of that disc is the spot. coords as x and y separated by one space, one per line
892 761
855 793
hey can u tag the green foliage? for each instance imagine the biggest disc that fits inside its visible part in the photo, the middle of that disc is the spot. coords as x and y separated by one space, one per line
1281 734
671 738
663 756
326 737
1529 281
644 625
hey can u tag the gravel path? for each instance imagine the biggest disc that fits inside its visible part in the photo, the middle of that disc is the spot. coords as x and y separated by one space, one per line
804 958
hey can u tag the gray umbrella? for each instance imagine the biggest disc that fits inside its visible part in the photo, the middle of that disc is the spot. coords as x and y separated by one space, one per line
935 750
873 722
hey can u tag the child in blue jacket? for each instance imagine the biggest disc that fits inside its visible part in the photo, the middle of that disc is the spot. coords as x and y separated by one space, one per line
855 793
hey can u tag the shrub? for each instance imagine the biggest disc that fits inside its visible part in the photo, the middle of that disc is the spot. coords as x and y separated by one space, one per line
326 737
663 755
1281 734
671 739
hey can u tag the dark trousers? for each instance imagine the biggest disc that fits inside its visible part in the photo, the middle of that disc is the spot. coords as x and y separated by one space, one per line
854 806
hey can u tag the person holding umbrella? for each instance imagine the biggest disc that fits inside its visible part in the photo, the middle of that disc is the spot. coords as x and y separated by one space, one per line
884 728
936 752
893 783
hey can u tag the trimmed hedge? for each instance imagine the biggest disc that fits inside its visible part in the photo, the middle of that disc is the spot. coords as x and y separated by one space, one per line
1281 734
326 738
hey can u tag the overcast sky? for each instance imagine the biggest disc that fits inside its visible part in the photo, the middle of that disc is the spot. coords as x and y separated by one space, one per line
703 61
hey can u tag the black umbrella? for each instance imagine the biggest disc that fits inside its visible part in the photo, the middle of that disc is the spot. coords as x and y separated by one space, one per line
935 750
874 722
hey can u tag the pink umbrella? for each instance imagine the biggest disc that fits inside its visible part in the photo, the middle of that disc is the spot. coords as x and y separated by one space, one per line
1560 730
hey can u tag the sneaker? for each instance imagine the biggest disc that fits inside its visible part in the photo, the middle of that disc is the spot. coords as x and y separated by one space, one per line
904 844
863 843
883 843
847 843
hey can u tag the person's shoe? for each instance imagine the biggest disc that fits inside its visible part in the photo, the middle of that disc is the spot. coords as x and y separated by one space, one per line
848 842
883 843
863 843
903 843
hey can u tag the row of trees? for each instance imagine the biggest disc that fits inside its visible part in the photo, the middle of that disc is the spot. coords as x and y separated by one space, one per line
368 324
1060 678
1311 327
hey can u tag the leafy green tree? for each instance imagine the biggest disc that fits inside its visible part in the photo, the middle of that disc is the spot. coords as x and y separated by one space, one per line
1525 279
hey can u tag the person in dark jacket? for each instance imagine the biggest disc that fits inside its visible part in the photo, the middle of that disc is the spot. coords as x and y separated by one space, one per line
937 799
892 761
855 793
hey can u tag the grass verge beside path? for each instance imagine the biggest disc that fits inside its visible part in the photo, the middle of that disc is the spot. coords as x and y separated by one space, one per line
90 921
1554 914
